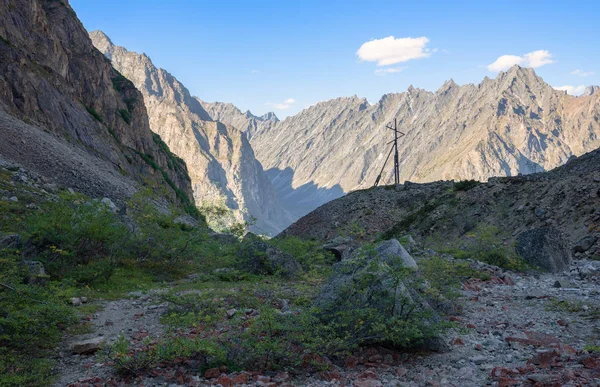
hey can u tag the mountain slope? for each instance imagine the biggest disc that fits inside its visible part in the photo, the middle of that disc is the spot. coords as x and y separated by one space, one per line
513 124
246 122
566 198
219 157
74 105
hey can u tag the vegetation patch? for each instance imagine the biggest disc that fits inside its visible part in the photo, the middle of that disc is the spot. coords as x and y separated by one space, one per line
94 113
125 115
465 185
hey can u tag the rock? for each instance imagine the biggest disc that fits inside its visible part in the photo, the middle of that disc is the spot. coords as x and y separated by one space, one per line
341 247
186 220
589 270
84 300
544 248
212 373
10 241
36 274
14 199
231 313
393 249
408 243
366 273
539 212
478 360
110 205
224 238
76 301
258 257
563 284
87 346
585 244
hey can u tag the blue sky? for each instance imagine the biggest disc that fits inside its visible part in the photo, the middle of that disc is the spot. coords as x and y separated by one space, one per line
285 56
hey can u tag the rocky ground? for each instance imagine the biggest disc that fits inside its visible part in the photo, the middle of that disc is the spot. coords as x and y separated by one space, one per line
515 329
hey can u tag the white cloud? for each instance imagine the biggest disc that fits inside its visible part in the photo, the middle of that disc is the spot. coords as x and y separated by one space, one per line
582 73
389 70
538 58
573 90
389 51
505 62
532 59
282 105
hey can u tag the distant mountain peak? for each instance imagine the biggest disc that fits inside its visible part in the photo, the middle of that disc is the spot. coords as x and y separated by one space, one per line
591 90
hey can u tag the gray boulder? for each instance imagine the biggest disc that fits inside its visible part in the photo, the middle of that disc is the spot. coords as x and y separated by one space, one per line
373 280
392 249
186 220
258 257
585 244
110 205
87 347
545 248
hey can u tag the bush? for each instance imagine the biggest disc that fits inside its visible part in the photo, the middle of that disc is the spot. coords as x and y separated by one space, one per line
94 113
465 185
125 115
32 319
76 238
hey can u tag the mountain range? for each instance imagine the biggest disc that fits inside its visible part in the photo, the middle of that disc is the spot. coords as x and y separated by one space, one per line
222 165
513 124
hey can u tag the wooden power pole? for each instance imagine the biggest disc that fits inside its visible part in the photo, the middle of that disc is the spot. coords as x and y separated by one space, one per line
394 142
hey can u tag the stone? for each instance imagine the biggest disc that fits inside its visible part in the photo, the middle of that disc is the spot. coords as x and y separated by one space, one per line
371 269
36 274
10 241
14 199
592 269
186 220
560 283
478 360
231 313
585 244
75 301
544 248
110 205
87 347
212 373
392 249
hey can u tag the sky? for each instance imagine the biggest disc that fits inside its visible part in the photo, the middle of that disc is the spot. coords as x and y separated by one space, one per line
285 56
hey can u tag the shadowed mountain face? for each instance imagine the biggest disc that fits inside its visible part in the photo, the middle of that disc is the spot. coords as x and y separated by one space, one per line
513 124
220 159
67 114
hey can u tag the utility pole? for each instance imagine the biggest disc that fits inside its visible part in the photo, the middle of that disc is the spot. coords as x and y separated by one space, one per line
394 142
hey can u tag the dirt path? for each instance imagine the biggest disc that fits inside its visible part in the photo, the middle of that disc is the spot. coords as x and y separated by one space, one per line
513 331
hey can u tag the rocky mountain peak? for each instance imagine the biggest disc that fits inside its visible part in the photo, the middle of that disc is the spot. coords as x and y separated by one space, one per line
591 90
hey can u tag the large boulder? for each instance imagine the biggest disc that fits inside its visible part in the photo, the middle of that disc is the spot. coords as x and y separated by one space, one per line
545 248
383 285
585 244
259 257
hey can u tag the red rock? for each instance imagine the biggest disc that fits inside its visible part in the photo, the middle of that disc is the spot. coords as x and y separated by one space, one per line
223 368
457 341
351 362
471 326
478 347
262 378
240 379
591 362
212 373
544 359
565 348
509 281
507 382
562 323
281 377
330 375
367 375
224 381
455 319
368 383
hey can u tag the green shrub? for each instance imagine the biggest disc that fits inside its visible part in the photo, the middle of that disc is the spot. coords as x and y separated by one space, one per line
125 115
76 238
94 113
465 185
32 319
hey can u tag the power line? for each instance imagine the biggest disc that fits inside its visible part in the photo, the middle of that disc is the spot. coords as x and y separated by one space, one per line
394 142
